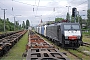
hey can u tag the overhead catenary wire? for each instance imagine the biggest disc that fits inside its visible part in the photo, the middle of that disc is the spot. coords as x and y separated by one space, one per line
42 6
37 7
34 5
81 3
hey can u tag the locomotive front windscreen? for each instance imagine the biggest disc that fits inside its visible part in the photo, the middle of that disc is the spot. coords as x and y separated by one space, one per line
72 30
70 27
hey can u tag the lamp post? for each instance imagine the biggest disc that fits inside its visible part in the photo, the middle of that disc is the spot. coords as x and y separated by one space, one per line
79 15
68 13
68 8
80 21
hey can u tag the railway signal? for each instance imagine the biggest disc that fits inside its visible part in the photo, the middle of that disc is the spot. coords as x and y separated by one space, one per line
74 13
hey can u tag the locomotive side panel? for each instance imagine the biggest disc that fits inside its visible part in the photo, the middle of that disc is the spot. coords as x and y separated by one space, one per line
45 30
42 30
59 34
54 32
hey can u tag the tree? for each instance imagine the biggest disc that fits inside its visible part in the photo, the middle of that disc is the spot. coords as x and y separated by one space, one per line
9 26
75 18
17 23
19 27
23 25
72 19
88 16
1 28
80 21
68 17
58 19
7 19
27 24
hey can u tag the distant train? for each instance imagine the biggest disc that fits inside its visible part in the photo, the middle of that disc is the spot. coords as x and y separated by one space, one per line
67 35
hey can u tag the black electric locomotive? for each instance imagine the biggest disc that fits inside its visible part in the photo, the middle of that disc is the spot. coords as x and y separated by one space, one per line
68 35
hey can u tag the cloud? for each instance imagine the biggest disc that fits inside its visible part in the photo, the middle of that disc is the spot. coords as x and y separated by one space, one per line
45 8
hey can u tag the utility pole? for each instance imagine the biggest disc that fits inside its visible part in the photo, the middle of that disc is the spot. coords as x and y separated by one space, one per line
14 23
4 18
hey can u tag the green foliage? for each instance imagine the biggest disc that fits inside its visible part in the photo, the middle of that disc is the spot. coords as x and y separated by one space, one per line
72 19
80 21
50 22
58 19
27 24
23 25
68 17
88 15
9 26
1 29
17 25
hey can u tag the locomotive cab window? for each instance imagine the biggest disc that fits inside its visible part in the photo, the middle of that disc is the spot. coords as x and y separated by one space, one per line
66 27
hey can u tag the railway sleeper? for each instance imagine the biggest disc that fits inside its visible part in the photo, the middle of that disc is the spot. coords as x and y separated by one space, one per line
45 53
4 50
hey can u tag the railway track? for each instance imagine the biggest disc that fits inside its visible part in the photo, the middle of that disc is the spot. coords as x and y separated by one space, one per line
9 40
86 44
79 52
79 58
83 57
39 49
86 47
76 55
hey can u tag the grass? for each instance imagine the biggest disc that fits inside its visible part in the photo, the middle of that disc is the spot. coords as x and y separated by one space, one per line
86 38
86 32
6 32
84 57
1 32
16 52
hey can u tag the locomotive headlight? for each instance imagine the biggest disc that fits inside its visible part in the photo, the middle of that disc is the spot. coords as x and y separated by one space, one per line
66 37
78 37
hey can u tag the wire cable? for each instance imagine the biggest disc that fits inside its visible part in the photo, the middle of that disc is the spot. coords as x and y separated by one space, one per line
33 5
37 6
81 3
7 9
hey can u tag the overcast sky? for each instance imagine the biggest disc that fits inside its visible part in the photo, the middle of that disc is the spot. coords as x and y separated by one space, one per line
43 9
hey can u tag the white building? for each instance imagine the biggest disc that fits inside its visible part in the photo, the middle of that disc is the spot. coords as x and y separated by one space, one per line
88 4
